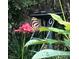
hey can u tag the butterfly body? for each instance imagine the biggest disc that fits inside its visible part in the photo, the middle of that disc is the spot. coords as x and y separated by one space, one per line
35 23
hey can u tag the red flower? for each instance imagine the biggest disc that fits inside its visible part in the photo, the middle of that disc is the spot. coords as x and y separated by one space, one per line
26 27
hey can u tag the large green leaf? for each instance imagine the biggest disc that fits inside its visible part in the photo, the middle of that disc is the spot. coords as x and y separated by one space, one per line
33 42
60 21
41 41
60 31
57 18
49 53
48 41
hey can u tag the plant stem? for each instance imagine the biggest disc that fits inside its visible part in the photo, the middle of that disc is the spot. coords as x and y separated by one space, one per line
23 47
62 10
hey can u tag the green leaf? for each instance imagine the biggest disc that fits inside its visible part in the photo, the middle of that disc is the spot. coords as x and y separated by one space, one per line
34 41
67 42
60 21
57 18
60 31
67 26
49 53
52 41
47 41
41 41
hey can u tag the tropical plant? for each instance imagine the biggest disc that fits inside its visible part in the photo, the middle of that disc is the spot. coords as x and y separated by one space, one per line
21 46
49 52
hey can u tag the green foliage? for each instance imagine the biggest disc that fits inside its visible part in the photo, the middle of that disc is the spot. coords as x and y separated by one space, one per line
50 53
18 12
46 53
60 31
40 41
67 42
60 21
46 41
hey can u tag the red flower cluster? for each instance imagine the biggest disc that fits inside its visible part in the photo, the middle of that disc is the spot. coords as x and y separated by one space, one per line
26 27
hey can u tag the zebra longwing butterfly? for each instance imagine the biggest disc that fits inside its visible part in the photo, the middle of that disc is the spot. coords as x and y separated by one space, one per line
35 23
